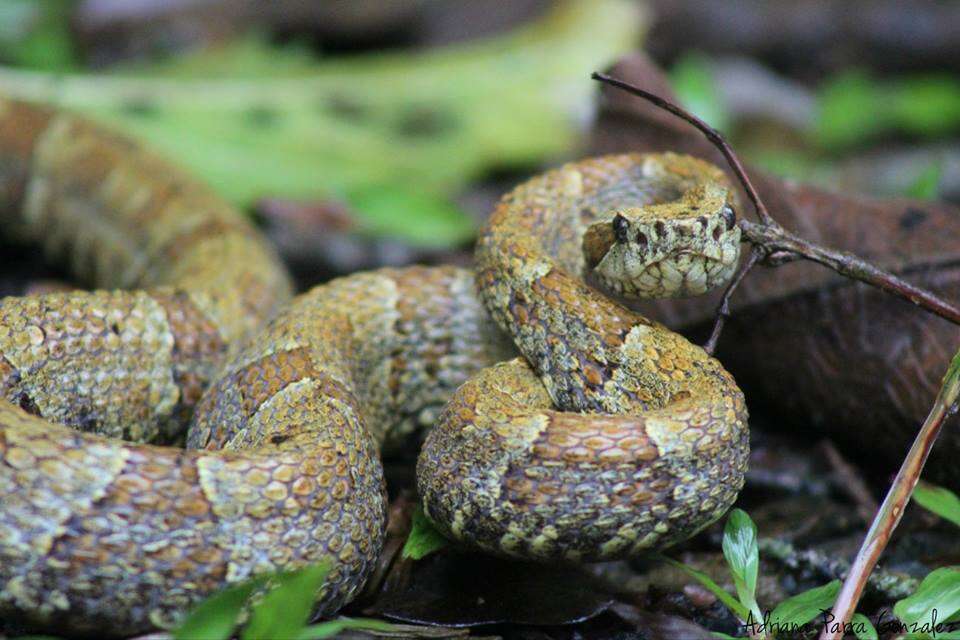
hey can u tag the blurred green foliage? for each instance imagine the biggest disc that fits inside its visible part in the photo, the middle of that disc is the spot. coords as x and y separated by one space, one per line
853 109
694 83
36 34
856 107
926 186
252 56
396 135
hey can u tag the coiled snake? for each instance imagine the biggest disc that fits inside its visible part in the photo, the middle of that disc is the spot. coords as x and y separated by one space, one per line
609 436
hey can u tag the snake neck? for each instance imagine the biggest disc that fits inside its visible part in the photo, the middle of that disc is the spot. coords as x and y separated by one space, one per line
592 353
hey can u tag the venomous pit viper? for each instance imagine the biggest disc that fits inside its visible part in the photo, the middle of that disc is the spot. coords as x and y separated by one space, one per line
609 436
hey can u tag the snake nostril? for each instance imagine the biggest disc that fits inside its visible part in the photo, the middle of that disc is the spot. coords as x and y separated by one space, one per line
642 239
660 228
620 228
729 217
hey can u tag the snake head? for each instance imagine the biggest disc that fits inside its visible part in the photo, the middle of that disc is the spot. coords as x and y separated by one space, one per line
682 247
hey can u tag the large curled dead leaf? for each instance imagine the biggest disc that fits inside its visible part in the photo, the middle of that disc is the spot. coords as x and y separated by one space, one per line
813 348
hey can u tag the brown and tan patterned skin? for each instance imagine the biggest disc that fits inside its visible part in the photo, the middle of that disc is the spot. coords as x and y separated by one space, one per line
282 466
514 466
196 278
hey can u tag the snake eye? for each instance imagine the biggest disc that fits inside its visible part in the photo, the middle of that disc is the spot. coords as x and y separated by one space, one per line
729 216
620 228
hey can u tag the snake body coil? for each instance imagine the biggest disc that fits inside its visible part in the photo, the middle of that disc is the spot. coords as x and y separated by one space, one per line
618 436
517 464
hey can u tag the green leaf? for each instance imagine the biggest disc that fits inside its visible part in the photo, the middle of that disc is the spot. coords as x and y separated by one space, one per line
692 79
939 500
804 607
250 56
854 107
926 104
863 628
36 34
216 617
742 552
285 609
421 127
939 591
785 163
16 18
731 603
424 539
421 219
950 386
740 548
333 627
927 183
847 110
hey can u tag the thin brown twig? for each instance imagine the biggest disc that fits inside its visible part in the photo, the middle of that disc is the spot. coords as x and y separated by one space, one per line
723 309
712 135
778 241
850 482
891 511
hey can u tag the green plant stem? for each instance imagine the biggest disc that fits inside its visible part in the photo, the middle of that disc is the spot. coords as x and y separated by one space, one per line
723 309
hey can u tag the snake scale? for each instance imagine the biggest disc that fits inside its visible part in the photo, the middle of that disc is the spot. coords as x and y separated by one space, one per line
610 435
